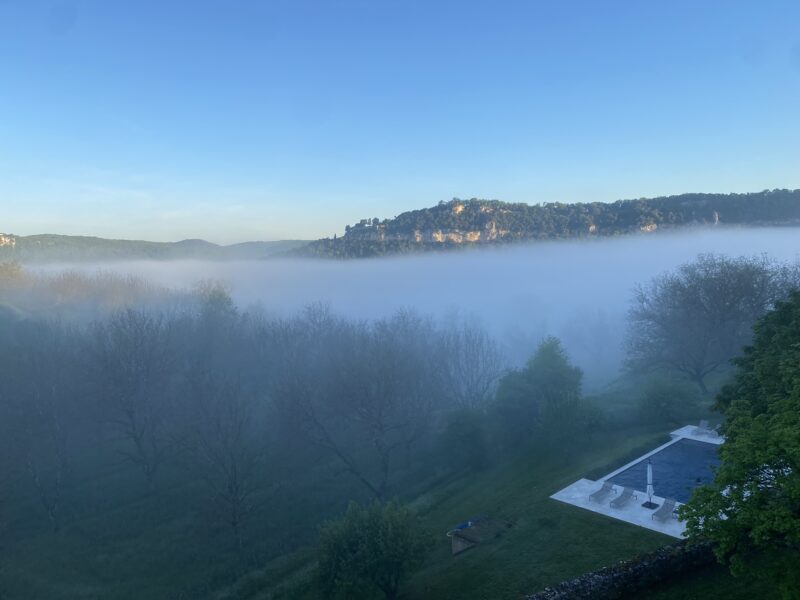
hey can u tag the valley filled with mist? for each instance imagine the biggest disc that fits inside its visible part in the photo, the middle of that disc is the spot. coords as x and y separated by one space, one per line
579 291
249 418
369 300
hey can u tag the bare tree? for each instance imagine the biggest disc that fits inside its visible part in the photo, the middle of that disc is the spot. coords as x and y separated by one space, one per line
388 386
696 319
134 366
41 398
361 391
471 364
225 445
226 448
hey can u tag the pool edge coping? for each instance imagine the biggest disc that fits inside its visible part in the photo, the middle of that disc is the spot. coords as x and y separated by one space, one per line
688 432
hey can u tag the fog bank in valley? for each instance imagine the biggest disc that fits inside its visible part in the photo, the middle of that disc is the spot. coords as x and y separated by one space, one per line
576 290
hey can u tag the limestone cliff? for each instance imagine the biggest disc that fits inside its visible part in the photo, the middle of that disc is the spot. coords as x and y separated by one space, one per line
479 222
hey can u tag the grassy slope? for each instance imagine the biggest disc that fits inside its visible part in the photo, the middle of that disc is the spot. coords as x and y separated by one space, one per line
549 541
120 542
160 547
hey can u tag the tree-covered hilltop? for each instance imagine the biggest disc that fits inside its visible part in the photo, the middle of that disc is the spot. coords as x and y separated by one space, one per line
71 248
470 222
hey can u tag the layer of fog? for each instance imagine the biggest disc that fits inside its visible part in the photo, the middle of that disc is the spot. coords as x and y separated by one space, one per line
576 290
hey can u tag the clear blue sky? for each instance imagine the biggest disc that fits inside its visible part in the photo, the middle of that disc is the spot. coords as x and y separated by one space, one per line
234 120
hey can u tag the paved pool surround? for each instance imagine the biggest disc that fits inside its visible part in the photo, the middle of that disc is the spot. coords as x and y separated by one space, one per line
578 493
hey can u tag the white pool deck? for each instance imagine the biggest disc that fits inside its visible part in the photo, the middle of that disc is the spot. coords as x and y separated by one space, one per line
578 493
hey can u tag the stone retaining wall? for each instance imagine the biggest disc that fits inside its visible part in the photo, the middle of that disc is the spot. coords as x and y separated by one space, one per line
630 576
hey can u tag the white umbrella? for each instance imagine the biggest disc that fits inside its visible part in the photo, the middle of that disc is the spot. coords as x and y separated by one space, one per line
649 481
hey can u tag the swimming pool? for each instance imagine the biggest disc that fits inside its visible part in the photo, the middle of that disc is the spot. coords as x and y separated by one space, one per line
677 470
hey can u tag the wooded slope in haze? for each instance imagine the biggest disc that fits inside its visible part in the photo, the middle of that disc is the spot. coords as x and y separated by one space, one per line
478 222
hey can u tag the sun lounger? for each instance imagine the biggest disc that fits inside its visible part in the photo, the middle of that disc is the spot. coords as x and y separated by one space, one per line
626 496
603 493
702 429
666 512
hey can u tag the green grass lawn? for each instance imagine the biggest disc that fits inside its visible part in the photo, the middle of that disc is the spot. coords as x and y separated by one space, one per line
160 547
120 542
548 542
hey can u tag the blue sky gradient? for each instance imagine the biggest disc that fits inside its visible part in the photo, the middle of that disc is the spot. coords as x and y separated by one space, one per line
288 119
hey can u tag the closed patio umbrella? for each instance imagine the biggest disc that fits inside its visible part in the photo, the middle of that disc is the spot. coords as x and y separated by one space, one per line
649 503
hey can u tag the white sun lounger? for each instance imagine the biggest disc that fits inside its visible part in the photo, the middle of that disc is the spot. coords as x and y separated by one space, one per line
626 496
603 493
666 512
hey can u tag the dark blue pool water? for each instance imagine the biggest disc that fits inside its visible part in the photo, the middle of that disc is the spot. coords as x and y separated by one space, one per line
677 470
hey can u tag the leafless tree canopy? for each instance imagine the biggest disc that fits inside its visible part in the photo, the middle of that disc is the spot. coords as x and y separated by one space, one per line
696 319
135 363
204 387
352 387
41 411
472 364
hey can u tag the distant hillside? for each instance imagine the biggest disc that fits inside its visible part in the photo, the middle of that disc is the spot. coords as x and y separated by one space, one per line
476 222
67 248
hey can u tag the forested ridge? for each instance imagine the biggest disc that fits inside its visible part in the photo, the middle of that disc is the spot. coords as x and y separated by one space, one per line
469 222
452 224
75 248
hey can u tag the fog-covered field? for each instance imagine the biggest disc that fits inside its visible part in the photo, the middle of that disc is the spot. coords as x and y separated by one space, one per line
576 290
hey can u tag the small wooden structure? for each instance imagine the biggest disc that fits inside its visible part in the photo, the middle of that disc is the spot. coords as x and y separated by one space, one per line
476 531
459 543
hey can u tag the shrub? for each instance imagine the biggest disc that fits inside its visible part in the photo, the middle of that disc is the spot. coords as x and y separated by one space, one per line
370 549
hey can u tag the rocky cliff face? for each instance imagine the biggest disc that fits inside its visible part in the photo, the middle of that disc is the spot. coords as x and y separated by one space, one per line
478 222
490 233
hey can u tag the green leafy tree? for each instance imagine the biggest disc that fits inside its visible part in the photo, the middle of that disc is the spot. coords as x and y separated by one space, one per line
546 393
369 550
752 511
666 400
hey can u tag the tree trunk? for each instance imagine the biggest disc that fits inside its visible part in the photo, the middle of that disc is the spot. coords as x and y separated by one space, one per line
700 380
